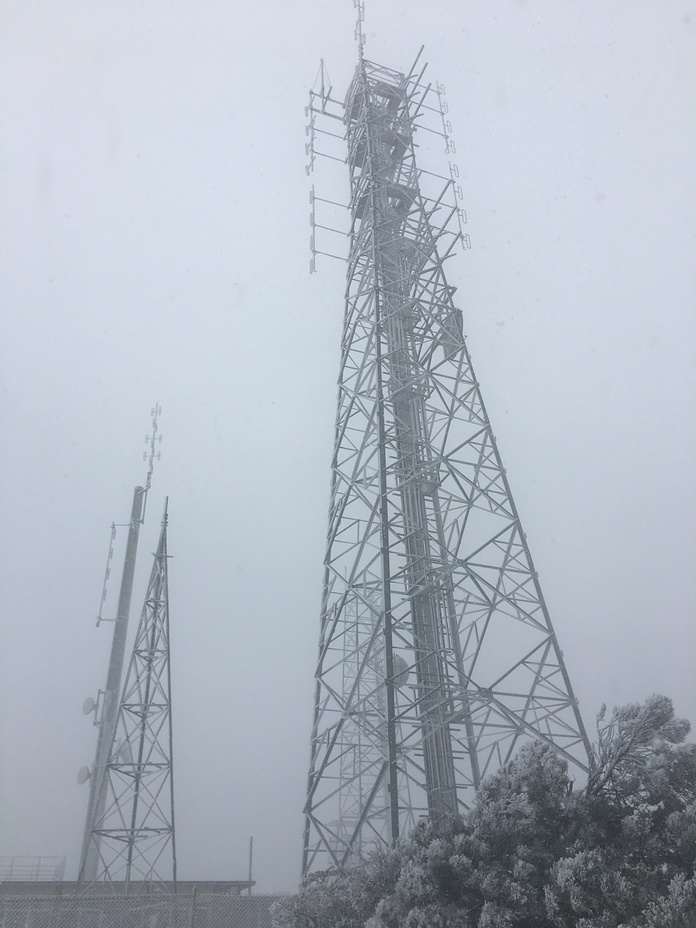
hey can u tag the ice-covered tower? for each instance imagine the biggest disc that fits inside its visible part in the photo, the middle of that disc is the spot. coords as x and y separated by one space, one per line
437 656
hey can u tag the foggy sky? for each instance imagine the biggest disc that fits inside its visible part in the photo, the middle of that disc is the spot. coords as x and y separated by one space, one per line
154 248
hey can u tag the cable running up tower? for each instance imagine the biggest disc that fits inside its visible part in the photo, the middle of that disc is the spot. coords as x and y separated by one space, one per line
437 654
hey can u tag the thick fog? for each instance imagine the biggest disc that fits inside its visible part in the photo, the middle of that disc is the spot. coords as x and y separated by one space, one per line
154 247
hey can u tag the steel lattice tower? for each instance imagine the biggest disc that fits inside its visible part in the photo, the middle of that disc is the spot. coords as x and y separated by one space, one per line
437 655
134 834
105 707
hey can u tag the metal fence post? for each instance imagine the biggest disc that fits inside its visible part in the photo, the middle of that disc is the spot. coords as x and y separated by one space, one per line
193 907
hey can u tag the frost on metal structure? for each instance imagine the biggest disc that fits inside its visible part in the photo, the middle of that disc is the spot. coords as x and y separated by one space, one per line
134 834
437 655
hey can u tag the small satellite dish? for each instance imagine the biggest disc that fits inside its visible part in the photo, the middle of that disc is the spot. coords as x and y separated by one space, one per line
83 774
88 706
401 671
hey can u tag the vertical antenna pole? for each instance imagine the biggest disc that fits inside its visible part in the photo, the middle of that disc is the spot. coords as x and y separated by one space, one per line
89 860
359 29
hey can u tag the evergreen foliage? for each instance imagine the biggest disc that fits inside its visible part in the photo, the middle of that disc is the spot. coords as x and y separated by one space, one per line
536 853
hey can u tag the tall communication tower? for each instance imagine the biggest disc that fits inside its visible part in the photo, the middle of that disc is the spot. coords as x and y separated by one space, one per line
437 656
134 832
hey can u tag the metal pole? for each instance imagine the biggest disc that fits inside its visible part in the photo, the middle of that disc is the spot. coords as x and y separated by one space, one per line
251 855
193 907
89 859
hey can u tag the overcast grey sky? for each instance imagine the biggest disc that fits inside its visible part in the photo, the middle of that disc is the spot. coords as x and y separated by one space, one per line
154 248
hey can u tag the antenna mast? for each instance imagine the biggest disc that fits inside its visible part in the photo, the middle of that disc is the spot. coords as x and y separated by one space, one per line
106 707
359 5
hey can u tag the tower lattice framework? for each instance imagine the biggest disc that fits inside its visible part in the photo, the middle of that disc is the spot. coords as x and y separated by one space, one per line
134 835
437 655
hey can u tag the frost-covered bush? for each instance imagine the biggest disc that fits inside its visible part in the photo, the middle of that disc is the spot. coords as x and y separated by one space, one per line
534 852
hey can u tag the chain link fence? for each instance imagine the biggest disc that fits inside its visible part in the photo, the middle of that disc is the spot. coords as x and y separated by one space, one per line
191 910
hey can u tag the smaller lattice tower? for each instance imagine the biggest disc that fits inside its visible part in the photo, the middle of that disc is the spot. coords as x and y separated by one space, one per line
134 834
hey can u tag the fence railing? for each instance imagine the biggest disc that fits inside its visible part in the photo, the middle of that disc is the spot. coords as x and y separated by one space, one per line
31 869
191 910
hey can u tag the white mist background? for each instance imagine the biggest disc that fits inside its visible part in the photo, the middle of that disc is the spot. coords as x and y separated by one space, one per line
154 248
